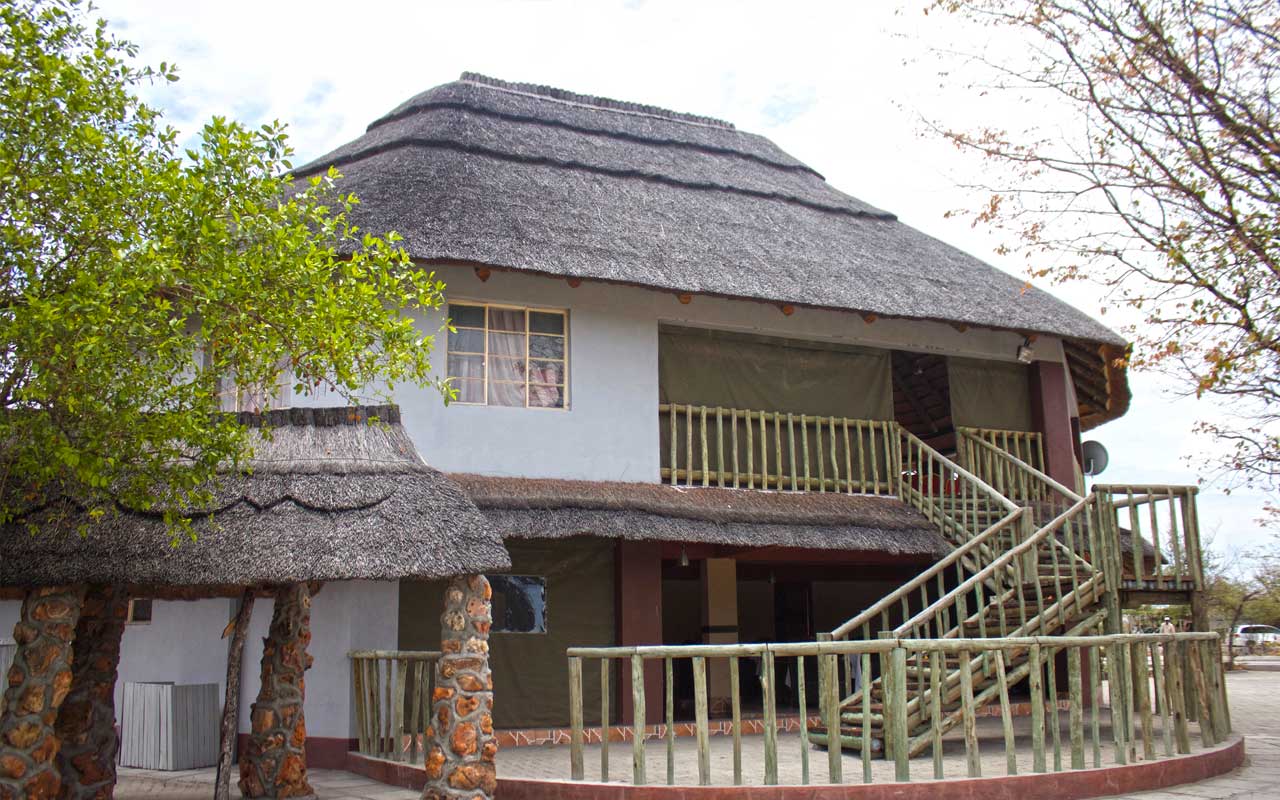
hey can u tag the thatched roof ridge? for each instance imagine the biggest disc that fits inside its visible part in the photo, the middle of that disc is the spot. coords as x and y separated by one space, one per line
334 494
542 508
542 180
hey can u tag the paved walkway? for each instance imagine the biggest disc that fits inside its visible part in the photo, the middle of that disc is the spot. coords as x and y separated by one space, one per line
1255 702
1255 712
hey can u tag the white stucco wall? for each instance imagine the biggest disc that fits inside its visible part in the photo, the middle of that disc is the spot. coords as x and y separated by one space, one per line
355 615
610 431
8 618
182 643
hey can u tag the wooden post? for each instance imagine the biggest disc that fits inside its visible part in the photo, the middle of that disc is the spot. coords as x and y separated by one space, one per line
1036 675
973 755
575 718
700 719
1006 717
897 704
227 729
637 723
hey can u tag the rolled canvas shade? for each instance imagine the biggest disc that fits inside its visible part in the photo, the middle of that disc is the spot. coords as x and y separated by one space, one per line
715 368
990 394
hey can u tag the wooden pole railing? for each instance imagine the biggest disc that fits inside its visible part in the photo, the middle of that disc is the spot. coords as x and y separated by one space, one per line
1163 548
1012 475
1133 684
1026 446
392 700
757 449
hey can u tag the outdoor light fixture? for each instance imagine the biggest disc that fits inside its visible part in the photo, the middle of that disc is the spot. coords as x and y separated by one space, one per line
1025 354
684 557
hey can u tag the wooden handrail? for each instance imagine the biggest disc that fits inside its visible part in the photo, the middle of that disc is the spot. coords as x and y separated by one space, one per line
392 700
989 490
895 597
1024 466
1185 668
1002 561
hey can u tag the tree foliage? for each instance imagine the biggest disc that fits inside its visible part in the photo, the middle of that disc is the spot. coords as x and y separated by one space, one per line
139 277
1151 164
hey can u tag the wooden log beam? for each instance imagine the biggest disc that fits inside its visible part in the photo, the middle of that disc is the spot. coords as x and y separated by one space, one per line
231 707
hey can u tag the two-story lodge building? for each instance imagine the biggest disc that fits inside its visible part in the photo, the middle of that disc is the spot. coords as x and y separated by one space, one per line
684 364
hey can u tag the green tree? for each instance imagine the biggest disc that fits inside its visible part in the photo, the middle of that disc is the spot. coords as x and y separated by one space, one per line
1147 158
137 278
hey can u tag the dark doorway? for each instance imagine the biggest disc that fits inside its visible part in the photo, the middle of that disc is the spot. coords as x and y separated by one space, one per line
922 398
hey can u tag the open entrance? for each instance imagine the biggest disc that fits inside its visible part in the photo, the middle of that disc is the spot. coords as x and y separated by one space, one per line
781 597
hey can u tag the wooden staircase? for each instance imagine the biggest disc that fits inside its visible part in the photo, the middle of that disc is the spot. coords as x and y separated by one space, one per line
1021 566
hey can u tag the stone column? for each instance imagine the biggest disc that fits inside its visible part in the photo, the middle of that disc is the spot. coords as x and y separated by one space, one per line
86 721
39 681
460 756
275 761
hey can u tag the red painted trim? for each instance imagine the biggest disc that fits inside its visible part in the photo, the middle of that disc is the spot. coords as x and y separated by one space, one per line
323 752
1052 418
1070 785
639 620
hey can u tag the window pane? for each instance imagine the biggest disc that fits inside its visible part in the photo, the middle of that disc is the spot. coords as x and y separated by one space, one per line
506 369
466 367
469 390
546 372
546 347
519 604
506 319
469 316
466 341
543 322
510 345
506 394
546 396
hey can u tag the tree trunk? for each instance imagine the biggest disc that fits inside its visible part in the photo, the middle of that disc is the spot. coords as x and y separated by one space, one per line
275 764
86 722
461 749
39 681
231 707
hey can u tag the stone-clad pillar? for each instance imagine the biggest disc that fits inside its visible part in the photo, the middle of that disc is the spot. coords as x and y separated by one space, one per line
38 681
460 756
275 761
86 721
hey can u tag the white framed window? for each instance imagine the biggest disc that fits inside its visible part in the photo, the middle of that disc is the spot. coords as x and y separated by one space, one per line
509 355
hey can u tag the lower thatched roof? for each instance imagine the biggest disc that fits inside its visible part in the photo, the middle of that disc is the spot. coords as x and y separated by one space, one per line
535 508
335 494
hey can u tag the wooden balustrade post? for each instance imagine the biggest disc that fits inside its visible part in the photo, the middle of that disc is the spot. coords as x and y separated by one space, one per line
575 718
896 705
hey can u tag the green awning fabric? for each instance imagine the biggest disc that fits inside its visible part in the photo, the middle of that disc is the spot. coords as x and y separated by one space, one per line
990 394
715 368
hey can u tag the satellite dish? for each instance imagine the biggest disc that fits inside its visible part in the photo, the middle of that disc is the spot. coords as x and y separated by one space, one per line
1095 458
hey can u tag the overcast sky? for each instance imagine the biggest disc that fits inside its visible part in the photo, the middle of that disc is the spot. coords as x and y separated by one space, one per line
843 86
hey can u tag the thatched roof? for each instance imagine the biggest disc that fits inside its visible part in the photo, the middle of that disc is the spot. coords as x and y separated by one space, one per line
543 508
531 178
332 496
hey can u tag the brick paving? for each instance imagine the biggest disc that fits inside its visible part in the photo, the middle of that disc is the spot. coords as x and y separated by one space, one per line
1255 713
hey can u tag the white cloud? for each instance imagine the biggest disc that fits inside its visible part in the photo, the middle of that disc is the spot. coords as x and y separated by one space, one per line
842 86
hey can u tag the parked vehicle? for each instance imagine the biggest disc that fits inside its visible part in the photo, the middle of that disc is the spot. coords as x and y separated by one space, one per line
1252 638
